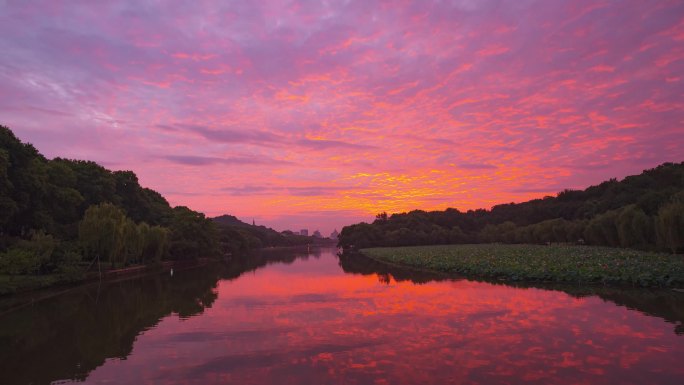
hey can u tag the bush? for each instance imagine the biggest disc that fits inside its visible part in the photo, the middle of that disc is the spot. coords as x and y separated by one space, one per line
70 266
19 261
28 256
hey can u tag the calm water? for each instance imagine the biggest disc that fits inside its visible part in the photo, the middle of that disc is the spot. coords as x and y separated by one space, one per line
298 318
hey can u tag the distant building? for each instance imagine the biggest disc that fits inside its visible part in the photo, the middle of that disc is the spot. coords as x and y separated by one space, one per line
334 234
304 232
317 234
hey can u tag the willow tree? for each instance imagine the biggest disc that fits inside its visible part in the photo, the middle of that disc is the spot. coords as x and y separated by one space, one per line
101 232
132 242
635 228
155 244
670 226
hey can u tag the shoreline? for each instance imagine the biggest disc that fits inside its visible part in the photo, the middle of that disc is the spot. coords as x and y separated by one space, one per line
583 265
53 285
24 297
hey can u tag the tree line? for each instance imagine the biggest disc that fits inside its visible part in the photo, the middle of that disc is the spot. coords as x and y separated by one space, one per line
59 215
644 211
244 236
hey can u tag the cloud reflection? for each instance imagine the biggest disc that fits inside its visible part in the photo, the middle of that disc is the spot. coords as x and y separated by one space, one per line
287 324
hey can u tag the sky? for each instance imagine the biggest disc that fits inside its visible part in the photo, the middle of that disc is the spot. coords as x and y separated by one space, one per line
317 114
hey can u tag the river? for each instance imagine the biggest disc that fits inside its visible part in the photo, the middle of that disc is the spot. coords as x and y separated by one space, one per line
313 317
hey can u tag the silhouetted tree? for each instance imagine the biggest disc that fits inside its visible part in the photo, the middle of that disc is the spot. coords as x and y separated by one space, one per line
613 213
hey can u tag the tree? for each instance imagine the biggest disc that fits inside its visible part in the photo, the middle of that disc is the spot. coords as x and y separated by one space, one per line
363 235
438 235
634 227
381 218
132 241
670 226
63 200
192 235
28 256
101 232
456 235
542 232
155 243
602 230
489 233
87 208
95 183
594 214
8 207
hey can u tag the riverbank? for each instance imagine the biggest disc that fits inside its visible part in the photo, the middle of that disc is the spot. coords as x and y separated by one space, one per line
18 284
38 288
555 263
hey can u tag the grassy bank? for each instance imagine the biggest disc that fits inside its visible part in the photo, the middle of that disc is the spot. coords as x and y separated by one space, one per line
21 283
14 284
557 263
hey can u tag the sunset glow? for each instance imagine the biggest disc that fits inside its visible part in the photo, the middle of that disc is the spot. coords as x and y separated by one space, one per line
307 114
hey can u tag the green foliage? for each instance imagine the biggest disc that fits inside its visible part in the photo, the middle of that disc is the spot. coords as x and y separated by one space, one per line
8 207
192 235
28 256
69 266
602 230
670 226
91 211
19 261
107 233
155 245
101 233
559 263
64 205
141 204
132 242
635 228
489 233
364 235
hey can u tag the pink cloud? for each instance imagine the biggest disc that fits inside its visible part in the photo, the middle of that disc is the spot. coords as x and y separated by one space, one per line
438 104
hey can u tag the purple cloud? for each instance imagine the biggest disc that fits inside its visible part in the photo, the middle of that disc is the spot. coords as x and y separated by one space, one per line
416 104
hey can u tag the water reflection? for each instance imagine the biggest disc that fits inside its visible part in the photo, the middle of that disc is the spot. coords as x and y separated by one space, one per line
666 304
296 317
70 335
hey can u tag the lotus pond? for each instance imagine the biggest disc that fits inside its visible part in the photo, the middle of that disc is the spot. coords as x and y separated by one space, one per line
557 263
